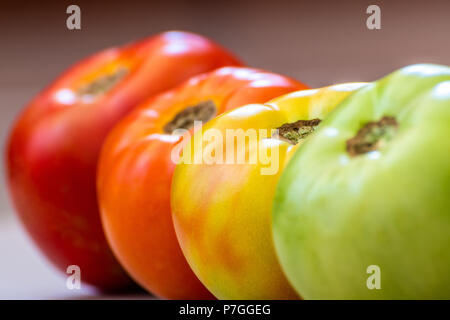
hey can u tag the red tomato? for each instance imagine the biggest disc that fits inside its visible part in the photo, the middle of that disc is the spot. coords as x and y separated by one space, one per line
54 146
136 168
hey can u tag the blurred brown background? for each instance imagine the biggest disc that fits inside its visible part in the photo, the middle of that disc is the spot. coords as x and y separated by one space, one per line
318 42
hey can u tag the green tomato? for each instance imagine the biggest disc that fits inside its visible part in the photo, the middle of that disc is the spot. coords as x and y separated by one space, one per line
362 210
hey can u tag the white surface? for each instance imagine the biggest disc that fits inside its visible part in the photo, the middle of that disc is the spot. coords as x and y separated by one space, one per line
25 273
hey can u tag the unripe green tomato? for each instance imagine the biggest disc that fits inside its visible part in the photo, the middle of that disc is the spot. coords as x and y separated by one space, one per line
362 211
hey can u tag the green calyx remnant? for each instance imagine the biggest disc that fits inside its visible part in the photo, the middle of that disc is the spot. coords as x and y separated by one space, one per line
102 84
295 131
372 136
203 111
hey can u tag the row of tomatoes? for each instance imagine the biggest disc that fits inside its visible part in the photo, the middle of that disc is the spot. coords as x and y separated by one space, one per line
92 175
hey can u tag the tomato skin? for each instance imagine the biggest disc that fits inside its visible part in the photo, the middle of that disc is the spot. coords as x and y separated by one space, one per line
135 175
54 146
222 211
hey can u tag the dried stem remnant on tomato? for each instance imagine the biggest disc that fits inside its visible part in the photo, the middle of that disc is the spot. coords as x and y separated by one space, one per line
103 83
203 111
295 131
372 136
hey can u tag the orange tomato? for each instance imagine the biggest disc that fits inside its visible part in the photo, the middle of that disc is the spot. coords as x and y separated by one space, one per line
136 167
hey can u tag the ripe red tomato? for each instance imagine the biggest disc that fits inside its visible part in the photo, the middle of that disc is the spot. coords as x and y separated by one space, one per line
54 145
136 168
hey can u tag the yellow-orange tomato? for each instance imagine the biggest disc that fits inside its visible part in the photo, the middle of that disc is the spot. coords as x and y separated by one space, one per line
222 192
136 168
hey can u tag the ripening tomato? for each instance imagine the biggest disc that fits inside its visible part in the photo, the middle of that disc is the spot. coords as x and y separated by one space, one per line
54 145
136 167
222 192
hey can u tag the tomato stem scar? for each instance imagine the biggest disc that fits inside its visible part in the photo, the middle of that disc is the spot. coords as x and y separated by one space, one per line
293 132
203 111
372 136
102 84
